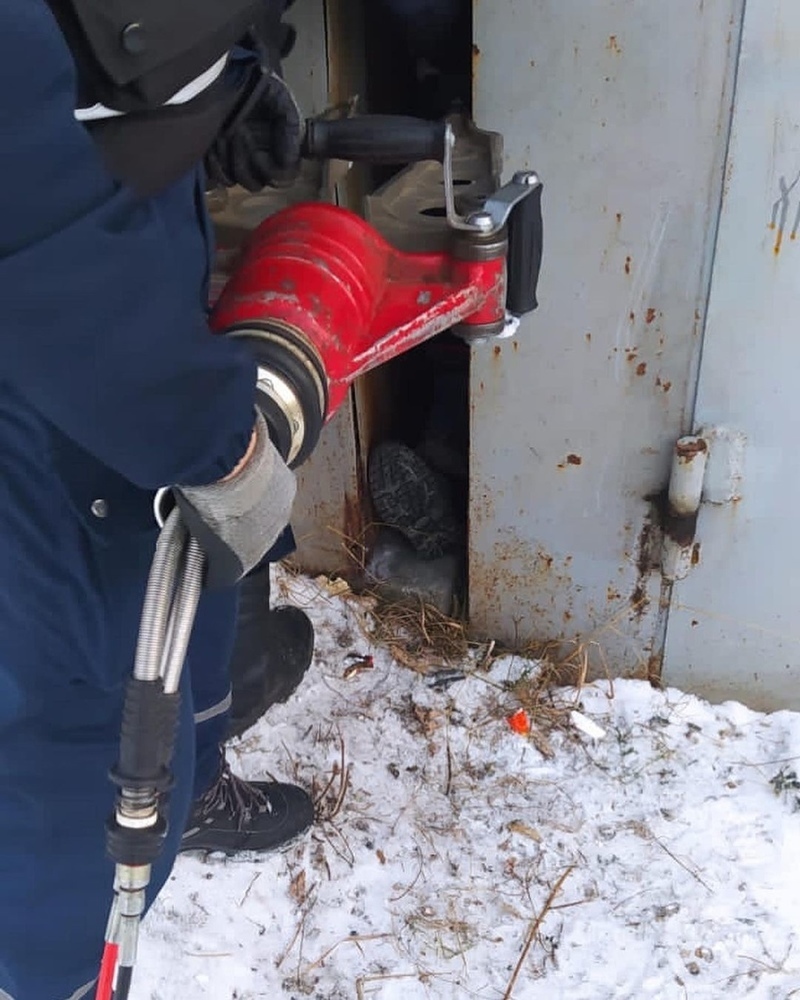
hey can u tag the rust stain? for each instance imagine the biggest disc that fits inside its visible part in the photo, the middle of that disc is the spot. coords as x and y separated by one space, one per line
639 600
476 59
628 262
650 315
680 528
663 384
540 581
571 459
687 450
515 345
632 316
654 666
352 515
619 214
641 368
613 45
497 350
646 558
696 554
631 353
588 338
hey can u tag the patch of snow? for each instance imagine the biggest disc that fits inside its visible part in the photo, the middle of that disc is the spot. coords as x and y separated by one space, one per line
680 833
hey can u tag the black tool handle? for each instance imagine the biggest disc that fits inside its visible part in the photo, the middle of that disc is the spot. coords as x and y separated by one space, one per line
380 139
525 241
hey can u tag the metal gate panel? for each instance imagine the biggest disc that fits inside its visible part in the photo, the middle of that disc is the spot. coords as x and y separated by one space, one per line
623 106
734 626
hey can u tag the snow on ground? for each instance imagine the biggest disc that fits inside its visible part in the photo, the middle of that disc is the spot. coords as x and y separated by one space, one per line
675 839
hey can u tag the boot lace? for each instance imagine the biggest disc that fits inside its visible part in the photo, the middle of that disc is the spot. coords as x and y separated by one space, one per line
234 796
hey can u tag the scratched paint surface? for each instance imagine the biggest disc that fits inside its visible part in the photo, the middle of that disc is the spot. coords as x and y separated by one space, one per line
734 629
624 109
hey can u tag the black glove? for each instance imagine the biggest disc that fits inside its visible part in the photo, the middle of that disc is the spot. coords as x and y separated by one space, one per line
260 143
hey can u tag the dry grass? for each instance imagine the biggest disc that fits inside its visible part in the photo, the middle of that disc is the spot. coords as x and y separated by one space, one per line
416 634
533 930
422 638
561 665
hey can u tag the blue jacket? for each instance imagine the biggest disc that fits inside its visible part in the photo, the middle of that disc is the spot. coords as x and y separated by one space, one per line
111 385
103 325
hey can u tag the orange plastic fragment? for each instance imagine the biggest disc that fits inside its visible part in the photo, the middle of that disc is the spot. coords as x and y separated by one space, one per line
520 722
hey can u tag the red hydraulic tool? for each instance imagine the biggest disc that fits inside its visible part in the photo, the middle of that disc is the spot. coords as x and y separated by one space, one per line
321 298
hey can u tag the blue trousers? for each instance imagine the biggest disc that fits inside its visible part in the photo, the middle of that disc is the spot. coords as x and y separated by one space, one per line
71 591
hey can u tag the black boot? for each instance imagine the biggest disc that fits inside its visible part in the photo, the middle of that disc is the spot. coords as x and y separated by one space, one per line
272 653
237 815
414 499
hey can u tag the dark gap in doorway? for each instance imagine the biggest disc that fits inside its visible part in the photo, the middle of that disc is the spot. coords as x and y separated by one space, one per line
419 62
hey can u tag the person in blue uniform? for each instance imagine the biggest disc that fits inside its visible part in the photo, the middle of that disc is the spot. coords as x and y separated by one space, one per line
112 387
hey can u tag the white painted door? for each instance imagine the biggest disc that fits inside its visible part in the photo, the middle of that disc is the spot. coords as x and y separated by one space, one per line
734 623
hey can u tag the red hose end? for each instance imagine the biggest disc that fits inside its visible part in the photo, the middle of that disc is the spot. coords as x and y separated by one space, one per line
108 966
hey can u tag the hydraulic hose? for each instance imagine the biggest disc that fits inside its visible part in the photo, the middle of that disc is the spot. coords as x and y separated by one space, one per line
158 599
136 831
183 614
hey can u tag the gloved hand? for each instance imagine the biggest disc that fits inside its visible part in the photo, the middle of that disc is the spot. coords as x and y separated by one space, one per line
237 519
259 145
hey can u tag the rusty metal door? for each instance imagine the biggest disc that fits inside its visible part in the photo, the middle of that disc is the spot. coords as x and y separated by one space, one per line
734 624
324 70
623 106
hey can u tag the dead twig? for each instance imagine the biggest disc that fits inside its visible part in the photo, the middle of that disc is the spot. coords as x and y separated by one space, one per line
253 881
407 890
208 954
533 930
340 770
363 980
353 938
345 853
449 761
342 792
320 797
486 659
297 932
568 906
685 867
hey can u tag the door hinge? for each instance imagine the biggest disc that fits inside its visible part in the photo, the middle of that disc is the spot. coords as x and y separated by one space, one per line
707 467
